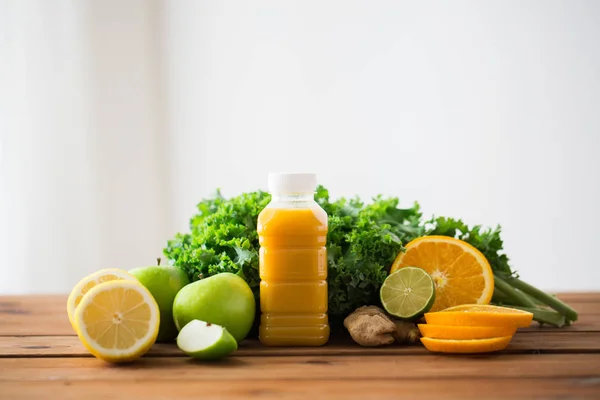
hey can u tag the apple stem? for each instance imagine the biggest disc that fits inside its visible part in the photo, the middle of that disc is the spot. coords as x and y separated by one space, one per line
158 261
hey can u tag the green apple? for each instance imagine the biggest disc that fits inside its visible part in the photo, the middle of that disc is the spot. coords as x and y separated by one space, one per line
224 299
164 282
205 341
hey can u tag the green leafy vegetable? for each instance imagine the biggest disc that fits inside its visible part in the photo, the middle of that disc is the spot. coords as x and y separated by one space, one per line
223 238
363 241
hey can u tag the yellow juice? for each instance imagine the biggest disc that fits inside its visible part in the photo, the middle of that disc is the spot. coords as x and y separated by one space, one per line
293 272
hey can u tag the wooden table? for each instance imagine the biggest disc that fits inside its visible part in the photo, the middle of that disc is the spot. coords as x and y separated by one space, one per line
40 357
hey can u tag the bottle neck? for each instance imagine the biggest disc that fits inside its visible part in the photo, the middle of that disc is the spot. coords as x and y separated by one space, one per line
296 197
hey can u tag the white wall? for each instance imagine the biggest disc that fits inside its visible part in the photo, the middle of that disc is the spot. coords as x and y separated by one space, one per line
80 123
486 110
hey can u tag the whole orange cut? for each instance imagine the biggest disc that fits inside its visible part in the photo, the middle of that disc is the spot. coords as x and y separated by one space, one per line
461 273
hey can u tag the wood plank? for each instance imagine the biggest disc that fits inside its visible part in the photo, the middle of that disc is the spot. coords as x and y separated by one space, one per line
538 342
34 315
585 323
40 315
585 308
580 297
569 388
522 366
555 342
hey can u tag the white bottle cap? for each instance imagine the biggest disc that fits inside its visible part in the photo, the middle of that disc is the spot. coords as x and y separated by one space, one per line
292 183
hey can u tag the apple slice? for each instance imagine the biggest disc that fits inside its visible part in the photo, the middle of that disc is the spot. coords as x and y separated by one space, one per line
205 341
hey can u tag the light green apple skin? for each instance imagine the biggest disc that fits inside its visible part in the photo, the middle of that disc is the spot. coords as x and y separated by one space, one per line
164 282
222 348
224 299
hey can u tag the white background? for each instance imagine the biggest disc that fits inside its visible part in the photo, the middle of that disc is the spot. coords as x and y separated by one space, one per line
118 117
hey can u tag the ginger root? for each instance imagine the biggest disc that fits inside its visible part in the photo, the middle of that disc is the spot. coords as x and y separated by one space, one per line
370 326
406 332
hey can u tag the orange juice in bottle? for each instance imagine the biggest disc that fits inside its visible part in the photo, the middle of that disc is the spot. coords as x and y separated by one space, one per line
292 232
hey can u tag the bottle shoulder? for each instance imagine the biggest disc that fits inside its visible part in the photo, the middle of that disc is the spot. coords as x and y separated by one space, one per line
280 216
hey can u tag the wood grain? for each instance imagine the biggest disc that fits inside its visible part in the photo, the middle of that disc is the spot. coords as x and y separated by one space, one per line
41 358
331 389
34 315
70 346
580 297
46 314
305 367
585 323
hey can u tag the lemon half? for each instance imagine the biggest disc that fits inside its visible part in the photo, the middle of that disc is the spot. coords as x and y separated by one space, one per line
117 321
85 284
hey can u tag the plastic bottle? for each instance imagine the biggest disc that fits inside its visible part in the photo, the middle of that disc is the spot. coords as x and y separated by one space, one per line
292 232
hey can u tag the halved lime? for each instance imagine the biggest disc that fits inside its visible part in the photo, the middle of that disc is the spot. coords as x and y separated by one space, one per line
408 293
205 341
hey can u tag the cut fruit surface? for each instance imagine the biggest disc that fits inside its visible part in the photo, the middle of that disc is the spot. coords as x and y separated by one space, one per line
461 273
486 308
118 320
85 284
466 346
480 315
408 293
205 341
465 332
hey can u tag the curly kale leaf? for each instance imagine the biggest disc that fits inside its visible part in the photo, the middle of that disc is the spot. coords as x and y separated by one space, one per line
363 241
223 238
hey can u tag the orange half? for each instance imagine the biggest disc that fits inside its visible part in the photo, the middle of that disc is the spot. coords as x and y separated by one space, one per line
461 273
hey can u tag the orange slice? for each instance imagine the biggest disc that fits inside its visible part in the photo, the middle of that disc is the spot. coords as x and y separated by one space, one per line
466 346
480 315
486 308
465 332
462 275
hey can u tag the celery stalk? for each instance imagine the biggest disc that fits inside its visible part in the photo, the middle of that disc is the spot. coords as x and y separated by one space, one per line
547 299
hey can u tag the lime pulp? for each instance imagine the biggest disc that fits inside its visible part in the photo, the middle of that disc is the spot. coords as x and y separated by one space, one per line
408 293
